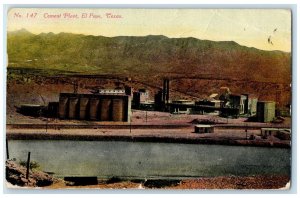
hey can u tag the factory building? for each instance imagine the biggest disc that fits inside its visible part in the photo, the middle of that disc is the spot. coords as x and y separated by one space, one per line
97 107
140 97
158 102
181 109
246 103
161 98
235 101
252 104
210 101
265 111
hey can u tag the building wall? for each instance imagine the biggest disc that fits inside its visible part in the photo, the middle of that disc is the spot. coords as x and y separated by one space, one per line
144 96
139 97
158 101
235 101
265 111
252 105
244 104
183 110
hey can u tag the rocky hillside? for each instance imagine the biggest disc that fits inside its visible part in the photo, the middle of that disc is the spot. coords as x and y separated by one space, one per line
197 67
148 56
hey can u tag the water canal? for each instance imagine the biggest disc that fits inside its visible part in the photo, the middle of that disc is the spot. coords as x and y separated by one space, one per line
106 159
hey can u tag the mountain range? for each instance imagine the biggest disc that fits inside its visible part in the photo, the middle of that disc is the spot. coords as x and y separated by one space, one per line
148 56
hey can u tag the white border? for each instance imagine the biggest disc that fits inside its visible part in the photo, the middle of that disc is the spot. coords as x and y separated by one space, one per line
156 4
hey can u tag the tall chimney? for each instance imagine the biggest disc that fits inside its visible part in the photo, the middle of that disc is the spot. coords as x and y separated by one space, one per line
167 90
164 91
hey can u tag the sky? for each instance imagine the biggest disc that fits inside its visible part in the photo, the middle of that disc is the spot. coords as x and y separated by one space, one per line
267 29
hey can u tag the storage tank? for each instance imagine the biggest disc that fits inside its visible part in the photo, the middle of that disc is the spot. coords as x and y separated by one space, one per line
83 108
94 105
62 107
105 110
73 103
117 109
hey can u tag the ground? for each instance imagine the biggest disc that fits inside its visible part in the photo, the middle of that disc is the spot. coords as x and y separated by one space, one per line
159 126
229 182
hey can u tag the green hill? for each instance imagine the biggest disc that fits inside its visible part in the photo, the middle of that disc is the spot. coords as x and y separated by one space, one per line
145 56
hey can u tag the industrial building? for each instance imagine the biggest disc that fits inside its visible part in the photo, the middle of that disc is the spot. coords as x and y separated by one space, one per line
265 111
161 98
236 101
97 107
252 105
208 102
246 103
139 98
178 107
158 101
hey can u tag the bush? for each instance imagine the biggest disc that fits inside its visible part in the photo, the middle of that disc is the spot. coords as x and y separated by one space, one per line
33 164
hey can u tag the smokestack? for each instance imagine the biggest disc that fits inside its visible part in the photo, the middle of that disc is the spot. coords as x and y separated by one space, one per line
168 90
164 91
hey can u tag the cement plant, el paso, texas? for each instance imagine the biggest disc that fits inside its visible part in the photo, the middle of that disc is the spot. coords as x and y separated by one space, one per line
146 110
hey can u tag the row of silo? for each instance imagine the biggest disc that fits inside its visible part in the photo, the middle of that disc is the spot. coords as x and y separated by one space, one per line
105 110
73 107
62 107
83 108
93 108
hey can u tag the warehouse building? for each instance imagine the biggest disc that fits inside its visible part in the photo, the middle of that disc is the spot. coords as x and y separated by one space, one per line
265 111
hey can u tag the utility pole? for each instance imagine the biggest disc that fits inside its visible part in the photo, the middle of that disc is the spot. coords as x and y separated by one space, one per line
146 116
246 130
130 125
7 153
28 164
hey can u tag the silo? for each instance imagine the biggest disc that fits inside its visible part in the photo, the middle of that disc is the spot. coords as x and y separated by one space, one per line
117 110
94 105
83 108
105 110
62 107
73 107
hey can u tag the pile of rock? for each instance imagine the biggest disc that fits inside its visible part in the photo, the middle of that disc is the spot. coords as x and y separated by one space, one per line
16 175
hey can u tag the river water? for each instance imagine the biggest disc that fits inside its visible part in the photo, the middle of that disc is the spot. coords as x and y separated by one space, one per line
150 160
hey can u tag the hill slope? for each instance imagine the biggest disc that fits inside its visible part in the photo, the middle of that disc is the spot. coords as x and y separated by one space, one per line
147 56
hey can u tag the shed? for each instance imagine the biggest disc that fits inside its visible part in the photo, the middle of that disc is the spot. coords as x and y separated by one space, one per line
281 133
203 128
